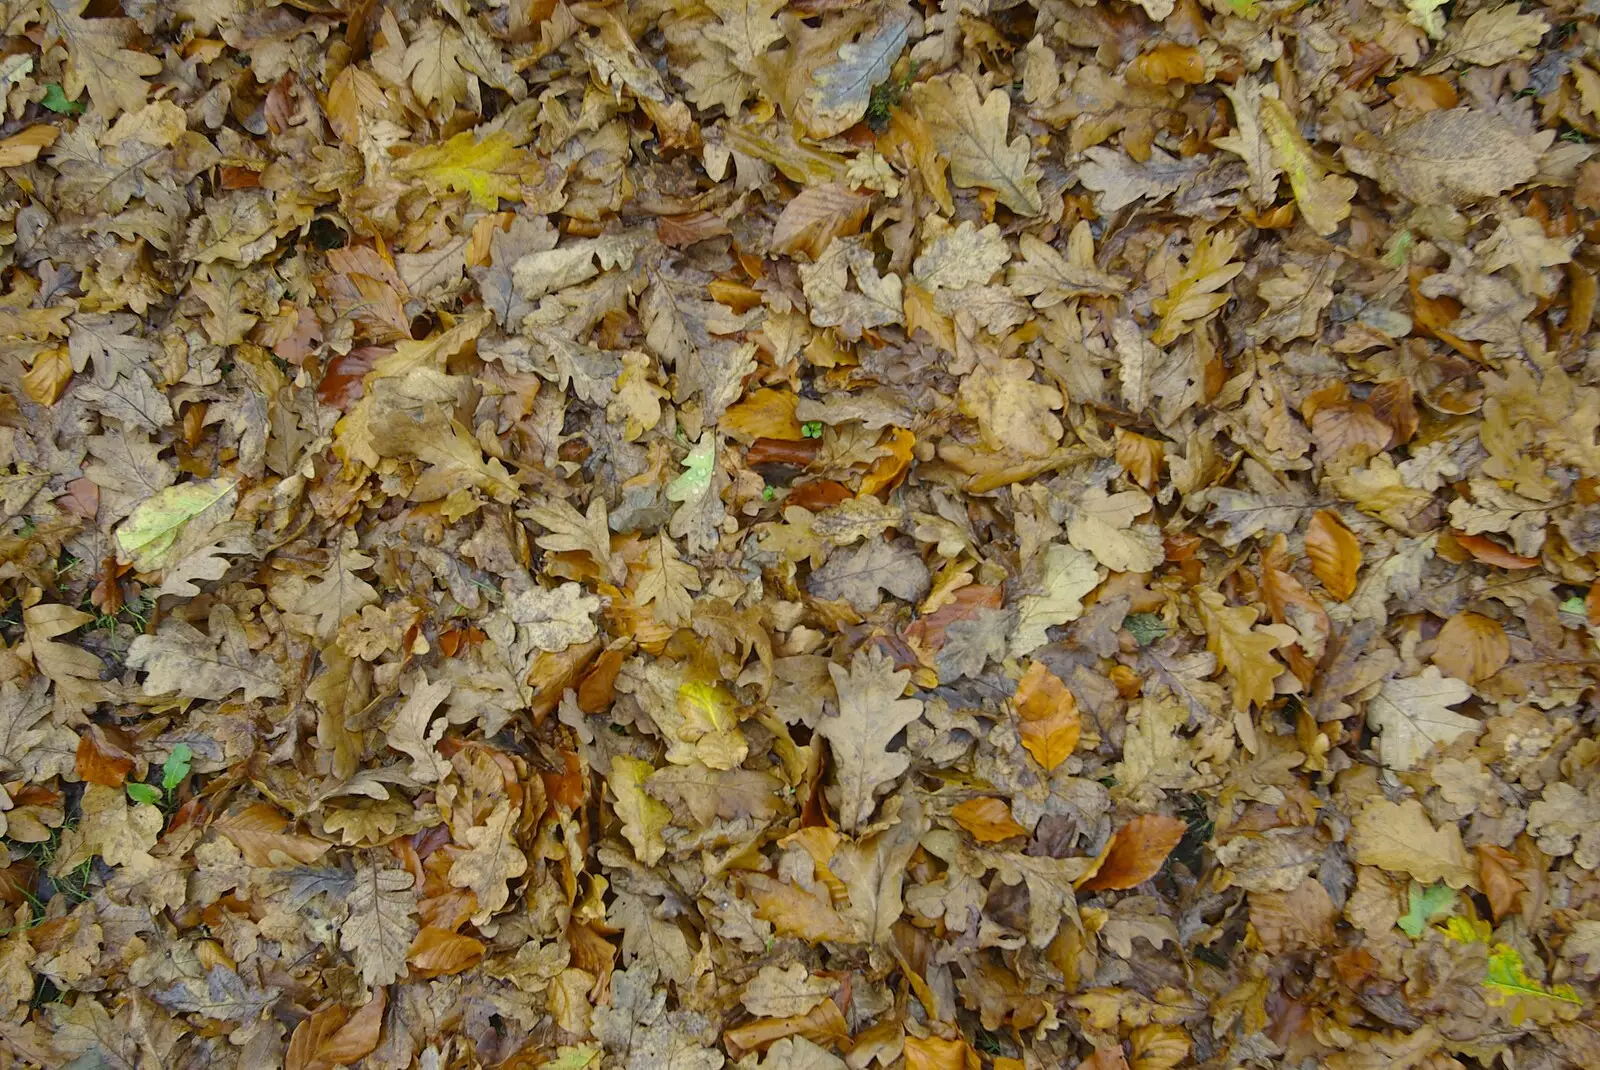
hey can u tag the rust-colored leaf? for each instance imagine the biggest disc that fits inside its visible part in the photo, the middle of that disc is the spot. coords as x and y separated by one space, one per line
1135 853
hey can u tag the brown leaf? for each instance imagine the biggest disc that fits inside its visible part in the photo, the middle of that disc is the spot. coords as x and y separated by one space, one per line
262 834
1134 854
816 216
1302 918
333 1037
1471 647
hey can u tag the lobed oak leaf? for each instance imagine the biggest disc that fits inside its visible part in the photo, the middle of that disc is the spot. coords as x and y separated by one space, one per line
492 859
180 659
409 734
485 170
1050 278
1243 647
665 581
567 530
337 593
860 733
1398 837
842 88
785 991
1191 296
971 132
379 928
99 59
860 576
1412 716
1013 411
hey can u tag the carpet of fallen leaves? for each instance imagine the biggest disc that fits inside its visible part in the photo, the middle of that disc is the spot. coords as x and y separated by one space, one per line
811 535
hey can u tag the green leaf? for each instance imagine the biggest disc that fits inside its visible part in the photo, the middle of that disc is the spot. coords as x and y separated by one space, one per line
1576 604
1507 977
811 429
1145 628
147 536
176 767
144 793
1426 905
57 101
697 467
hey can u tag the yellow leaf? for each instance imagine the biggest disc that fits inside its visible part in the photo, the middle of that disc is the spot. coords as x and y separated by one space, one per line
1192 296
1244 649
643 818
485 170
148 535
988 819
1324 199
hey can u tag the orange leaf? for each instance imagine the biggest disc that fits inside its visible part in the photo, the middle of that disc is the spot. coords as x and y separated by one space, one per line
49 376
1140 457
1110 1058
1050 723
1471 647
24 147
261 834
764 414
1335 554
823 1025
1488 552
816 216
932 1053
794 911
437 952
334 1037
1135 853
988 819
967 602
887 471
102 760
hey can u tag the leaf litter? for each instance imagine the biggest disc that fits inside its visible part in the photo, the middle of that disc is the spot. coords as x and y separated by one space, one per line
818 534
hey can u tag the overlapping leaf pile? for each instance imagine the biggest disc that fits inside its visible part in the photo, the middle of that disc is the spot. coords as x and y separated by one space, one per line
799 535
